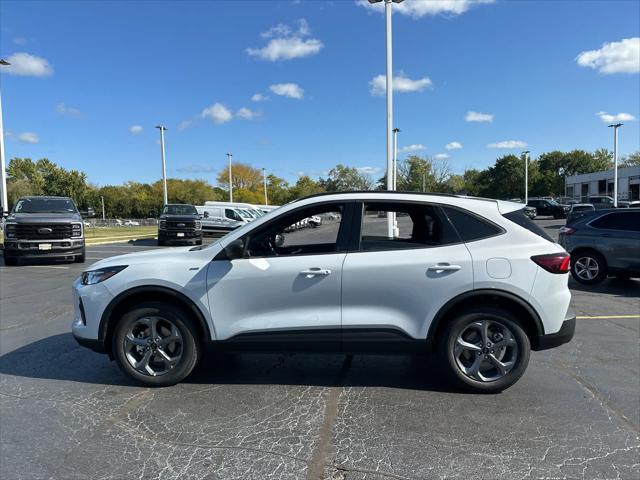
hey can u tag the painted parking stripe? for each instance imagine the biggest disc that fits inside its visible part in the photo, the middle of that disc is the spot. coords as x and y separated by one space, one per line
47 266
606 317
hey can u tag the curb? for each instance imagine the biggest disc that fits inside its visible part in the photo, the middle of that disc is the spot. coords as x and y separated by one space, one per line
89 243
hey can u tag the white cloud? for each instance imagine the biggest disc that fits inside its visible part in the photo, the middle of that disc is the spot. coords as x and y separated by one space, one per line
286 44
20 40
419 8
247 114
614 57
218 113
63 109
508 144
26 64
291 90
620 117
453 146
29 137
184 124
258 97
414 147
441 156
478 117
369 170
136 129
401 84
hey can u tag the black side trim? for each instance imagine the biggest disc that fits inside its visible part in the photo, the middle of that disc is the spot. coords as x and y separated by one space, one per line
95 345
106 315
564 335
380 340
460 299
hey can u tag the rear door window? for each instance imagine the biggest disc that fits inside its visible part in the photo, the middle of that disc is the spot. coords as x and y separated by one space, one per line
629 221
471 227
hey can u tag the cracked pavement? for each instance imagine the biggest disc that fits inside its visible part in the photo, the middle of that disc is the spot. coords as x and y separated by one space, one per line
69 413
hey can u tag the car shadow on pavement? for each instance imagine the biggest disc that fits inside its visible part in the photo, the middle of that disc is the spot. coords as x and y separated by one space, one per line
59 357
620 287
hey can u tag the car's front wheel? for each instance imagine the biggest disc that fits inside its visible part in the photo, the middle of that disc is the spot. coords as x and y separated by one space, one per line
588 267
156 344
485 350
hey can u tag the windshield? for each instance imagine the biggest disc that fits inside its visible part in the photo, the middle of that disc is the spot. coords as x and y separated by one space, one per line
179 210
553 202
45 205
244 213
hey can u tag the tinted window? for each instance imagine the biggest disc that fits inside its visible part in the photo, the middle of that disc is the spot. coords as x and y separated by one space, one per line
45 205
179 210
232 214
469 226
629 221
518 217
308 231
418 226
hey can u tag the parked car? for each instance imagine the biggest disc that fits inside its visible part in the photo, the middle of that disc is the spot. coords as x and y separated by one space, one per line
40 227
548 207
472 279
605 242
131 223
601 202
179 223
579 209
634 204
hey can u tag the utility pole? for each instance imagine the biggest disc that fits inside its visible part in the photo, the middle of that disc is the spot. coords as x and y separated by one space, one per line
424 181
102 200
3 166
229 156
165 197
395 158
264 179
526 176
615 162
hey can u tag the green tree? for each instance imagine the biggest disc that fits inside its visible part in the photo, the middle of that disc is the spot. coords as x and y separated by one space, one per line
304 187
345 179
632 160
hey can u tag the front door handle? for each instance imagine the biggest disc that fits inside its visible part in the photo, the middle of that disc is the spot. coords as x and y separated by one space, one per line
312 272
444 267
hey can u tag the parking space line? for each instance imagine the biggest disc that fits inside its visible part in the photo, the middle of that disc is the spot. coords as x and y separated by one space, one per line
47 266
606 317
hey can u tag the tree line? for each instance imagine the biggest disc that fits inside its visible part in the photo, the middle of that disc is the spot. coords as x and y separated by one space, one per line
504 179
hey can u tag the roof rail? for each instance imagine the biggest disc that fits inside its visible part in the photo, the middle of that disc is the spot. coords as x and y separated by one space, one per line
392 192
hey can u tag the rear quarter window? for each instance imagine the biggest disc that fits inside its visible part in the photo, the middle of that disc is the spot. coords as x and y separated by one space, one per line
519 218
629 221
469 226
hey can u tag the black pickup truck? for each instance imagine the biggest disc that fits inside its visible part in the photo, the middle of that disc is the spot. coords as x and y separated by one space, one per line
179 223
40 227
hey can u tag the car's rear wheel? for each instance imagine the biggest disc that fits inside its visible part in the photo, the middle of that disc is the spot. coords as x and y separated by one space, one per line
485 350
588 267
156 344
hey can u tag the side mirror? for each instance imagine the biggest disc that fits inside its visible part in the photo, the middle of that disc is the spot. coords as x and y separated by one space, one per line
235 249
206 215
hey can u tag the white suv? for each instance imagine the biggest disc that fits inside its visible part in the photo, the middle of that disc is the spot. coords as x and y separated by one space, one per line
473 280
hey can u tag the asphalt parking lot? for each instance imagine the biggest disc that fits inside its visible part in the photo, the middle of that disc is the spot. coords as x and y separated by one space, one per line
69 413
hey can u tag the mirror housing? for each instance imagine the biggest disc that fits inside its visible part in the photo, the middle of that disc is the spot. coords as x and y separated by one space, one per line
235 249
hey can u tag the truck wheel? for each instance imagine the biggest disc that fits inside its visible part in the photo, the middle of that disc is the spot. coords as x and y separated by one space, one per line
485 350
10 261
80 258
162 243
156 344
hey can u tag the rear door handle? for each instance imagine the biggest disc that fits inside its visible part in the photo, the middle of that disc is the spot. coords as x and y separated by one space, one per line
443 267
312 272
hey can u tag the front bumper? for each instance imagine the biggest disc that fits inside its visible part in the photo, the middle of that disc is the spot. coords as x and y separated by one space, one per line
44 248
188 236
562 336
89 303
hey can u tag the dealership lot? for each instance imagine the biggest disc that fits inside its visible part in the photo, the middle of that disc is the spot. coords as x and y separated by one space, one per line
67 412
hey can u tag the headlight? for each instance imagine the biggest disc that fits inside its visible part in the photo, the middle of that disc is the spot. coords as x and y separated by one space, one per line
10 230
96 276
162 225
76 229
198 225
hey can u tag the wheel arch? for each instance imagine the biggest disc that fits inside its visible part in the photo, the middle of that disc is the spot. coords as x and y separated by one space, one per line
581 249
523 310
137 295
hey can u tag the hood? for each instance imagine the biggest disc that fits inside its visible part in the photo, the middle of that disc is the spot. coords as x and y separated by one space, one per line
156 255
44 217
177 218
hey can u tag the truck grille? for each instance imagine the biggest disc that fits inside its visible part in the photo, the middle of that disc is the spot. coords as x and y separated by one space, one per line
43 231
171 225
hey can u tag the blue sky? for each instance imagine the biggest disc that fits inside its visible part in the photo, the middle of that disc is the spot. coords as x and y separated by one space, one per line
93 70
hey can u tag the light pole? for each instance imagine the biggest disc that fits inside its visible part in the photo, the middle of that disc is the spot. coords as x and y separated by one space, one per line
102 200
165 197
615 127
229 156
264 179
387 12
3 167
526 176
395 158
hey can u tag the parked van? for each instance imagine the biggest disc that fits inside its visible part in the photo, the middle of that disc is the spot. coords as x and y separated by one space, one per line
219 217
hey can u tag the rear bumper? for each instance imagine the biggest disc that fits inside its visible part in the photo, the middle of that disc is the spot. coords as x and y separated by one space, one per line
31 249
562 336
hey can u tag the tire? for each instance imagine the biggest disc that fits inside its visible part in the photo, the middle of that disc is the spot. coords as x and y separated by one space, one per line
184 347
199 242
588 267
80 258
482 375
162 243
10 261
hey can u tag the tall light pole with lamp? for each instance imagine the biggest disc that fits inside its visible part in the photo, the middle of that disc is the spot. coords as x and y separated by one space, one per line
3 167
395 158
229 157
264 180
387 10
165 197
615 127
526 176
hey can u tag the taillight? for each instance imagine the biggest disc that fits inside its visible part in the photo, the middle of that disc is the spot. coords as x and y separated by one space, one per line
567 231
554 262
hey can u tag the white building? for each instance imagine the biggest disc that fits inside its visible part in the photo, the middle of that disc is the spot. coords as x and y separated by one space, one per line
601 183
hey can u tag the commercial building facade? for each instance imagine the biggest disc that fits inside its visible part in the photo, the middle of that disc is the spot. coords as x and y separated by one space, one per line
601 183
